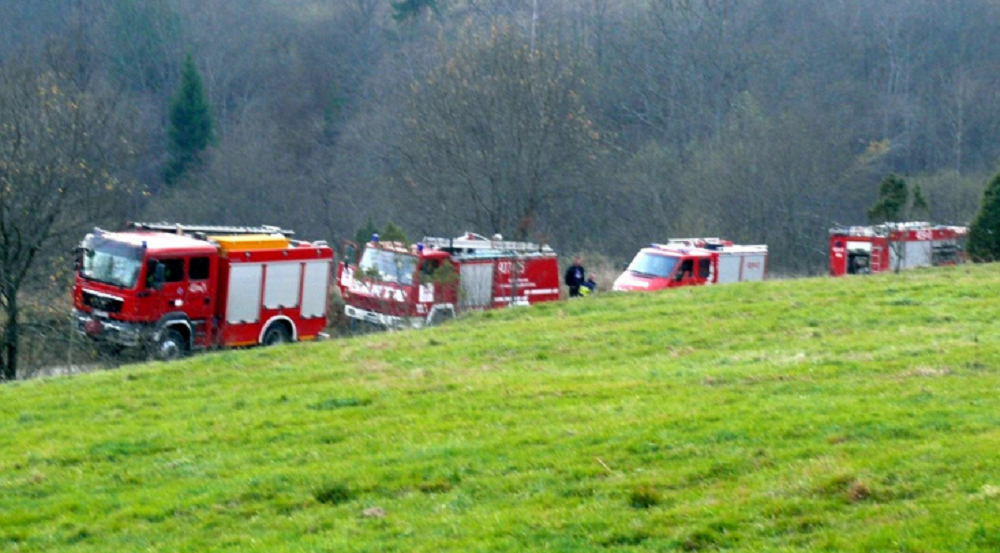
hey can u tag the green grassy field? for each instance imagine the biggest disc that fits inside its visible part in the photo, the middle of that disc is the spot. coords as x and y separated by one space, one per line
855 414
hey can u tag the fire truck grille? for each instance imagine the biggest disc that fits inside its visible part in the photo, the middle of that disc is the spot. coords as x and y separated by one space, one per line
102 303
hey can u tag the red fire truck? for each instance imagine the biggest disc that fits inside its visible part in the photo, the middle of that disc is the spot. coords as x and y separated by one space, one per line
875 249
172 289
692 262
395 286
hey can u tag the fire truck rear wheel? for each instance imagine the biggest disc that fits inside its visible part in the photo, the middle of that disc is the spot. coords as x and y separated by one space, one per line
170 346
276 334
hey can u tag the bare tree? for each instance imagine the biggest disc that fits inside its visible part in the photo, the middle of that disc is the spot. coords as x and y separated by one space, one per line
143 42
61 141
498 131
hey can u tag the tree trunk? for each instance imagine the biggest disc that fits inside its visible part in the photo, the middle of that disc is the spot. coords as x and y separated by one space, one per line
9 353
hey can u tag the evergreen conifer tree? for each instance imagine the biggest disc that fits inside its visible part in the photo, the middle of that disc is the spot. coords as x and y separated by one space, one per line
390 233
984 235
892 198
394 233
364 233
190 127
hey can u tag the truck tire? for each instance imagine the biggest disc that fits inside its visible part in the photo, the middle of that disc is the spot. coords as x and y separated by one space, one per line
276 334
170 346
440 316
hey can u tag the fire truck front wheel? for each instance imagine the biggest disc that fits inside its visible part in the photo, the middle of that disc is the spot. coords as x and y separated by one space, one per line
170 345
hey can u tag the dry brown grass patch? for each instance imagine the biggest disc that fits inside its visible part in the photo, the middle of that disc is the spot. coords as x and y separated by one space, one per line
374 366
677 352
714 380
859 490
929 372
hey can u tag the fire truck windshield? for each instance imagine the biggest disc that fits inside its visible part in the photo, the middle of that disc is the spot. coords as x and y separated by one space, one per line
111 262
648 264
388 266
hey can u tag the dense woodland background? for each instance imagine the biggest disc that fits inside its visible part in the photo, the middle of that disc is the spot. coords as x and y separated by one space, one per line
593 125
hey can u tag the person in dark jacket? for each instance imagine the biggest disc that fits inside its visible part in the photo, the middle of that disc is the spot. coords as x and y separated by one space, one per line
575 275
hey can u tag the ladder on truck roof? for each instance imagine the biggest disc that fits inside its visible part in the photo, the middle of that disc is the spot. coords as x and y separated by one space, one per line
178 228
704 243
885 229
471 243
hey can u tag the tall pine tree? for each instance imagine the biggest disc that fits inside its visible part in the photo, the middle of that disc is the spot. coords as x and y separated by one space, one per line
190 127
893 195
394 233
984 235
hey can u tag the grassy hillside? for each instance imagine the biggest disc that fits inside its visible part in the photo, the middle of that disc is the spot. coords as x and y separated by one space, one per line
856 414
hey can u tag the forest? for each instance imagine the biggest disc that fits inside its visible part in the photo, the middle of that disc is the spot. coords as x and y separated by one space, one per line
596 126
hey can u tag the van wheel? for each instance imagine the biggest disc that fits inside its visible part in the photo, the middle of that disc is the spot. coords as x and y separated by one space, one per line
276 334
171 345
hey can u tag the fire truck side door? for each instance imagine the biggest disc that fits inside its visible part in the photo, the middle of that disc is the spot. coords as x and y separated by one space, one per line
704 269
200 288
171 292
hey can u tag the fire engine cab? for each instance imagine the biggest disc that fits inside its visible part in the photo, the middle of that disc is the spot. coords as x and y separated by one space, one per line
172 288
692 262
396 286
875 249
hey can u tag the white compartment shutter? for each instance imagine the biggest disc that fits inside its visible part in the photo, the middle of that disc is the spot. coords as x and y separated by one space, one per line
243 301
314 289
281 289
477 285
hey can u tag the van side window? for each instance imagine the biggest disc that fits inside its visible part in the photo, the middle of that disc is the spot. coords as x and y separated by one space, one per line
704 268
200 268
173 270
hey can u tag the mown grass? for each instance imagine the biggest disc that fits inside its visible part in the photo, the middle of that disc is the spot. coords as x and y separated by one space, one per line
854 414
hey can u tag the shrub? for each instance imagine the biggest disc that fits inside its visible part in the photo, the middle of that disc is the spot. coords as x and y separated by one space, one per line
333 493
